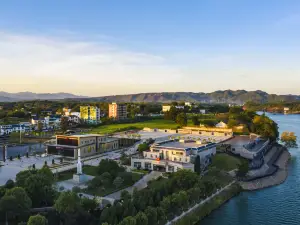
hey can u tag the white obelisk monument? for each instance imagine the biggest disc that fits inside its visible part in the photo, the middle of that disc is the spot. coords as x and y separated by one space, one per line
79 165
79 177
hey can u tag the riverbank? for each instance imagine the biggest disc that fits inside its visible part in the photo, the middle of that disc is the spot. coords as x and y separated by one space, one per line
204 208
277 178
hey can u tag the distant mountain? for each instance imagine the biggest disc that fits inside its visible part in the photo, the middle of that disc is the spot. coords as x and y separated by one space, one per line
23 96
227 96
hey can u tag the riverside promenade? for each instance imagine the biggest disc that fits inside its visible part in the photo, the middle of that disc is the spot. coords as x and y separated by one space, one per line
199 204
275 179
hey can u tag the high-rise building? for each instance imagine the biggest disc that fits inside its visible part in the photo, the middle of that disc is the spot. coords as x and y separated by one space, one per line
90 114
117 111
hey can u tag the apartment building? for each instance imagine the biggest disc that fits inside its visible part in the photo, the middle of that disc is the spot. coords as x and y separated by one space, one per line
90 114
117 111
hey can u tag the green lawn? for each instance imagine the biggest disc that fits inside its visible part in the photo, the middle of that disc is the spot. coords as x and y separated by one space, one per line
67 175
108 190
157 123
225 162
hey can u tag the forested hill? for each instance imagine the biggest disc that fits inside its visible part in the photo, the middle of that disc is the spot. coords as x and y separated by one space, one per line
227 96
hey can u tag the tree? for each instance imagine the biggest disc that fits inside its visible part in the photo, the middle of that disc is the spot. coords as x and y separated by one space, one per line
40 126
243 168
197 165
143 147
64 123
89 204
40 189
37 220
128 221
171 114
118 182
23 201
195 120
68 202
8 204
110 166
232 123
289 139
151 214
125 195
141 219
9 184
181 119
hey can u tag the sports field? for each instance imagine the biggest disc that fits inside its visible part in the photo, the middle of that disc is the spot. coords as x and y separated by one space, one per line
157 123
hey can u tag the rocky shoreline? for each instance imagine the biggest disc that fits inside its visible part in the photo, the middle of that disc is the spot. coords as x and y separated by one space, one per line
277 178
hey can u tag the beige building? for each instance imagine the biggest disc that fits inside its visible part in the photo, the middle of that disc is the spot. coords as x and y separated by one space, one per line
117 111
173 155
166 108
87 144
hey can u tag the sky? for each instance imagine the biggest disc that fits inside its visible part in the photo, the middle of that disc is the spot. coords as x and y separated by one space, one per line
109 47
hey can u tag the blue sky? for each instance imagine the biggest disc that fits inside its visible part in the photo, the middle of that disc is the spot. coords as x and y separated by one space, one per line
116 47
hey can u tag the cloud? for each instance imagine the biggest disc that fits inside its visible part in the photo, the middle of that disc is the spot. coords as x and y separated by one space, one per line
90 67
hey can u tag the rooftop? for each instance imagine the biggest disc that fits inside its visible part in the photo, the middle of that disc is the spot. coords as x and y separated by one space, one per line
83 135
184 146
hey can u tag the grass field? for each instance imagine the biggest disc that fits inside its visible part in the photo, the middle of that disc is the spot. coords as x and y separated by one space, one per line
108 190
225 162
67 175
157 123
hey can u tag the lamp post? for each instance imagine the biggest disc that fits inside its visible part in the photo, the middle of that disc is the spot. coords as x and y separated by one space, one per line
20 135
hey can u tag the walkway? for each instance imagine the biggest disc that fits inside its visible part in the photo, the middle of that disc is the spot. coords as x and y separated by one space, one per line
199 204
139 185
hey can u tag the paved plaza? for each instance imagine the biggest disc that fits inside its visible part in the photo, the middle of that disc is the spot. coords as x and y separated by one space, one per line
10 169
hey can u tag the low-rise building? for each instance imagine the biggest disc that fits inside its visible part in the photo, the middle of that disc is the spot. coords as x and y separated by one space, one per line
75 114
74 119
117 111
207 131
87 144
166 108
221 125
173 155
9 128
202 111
90 114
286 110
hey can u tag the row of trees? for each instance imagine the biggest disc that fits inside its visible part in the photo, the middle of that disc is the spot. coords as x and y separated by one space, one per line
162 200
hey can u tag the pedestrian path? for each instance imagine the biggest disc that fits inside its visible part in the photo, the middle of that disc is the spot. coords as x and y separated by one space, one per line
199 204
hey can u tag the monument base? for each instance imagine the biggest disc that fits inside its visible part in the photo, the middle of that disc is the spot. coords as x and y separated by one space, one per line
80 178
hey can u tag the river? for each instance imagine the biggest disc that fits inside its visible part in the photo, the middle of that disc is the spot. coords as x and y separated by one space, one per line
277 205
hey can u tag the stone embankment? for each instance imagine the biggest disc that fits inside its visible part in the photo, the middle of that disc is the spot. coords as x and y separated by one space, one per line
277 178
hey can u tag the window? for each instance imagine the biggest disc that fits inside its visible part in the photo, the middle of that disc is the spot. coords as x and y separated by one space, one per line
137 164
148 166
151 156
175 159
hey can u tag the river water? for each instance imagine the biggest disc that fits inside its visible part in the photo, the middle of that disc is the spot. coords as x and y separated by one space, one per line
279 205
